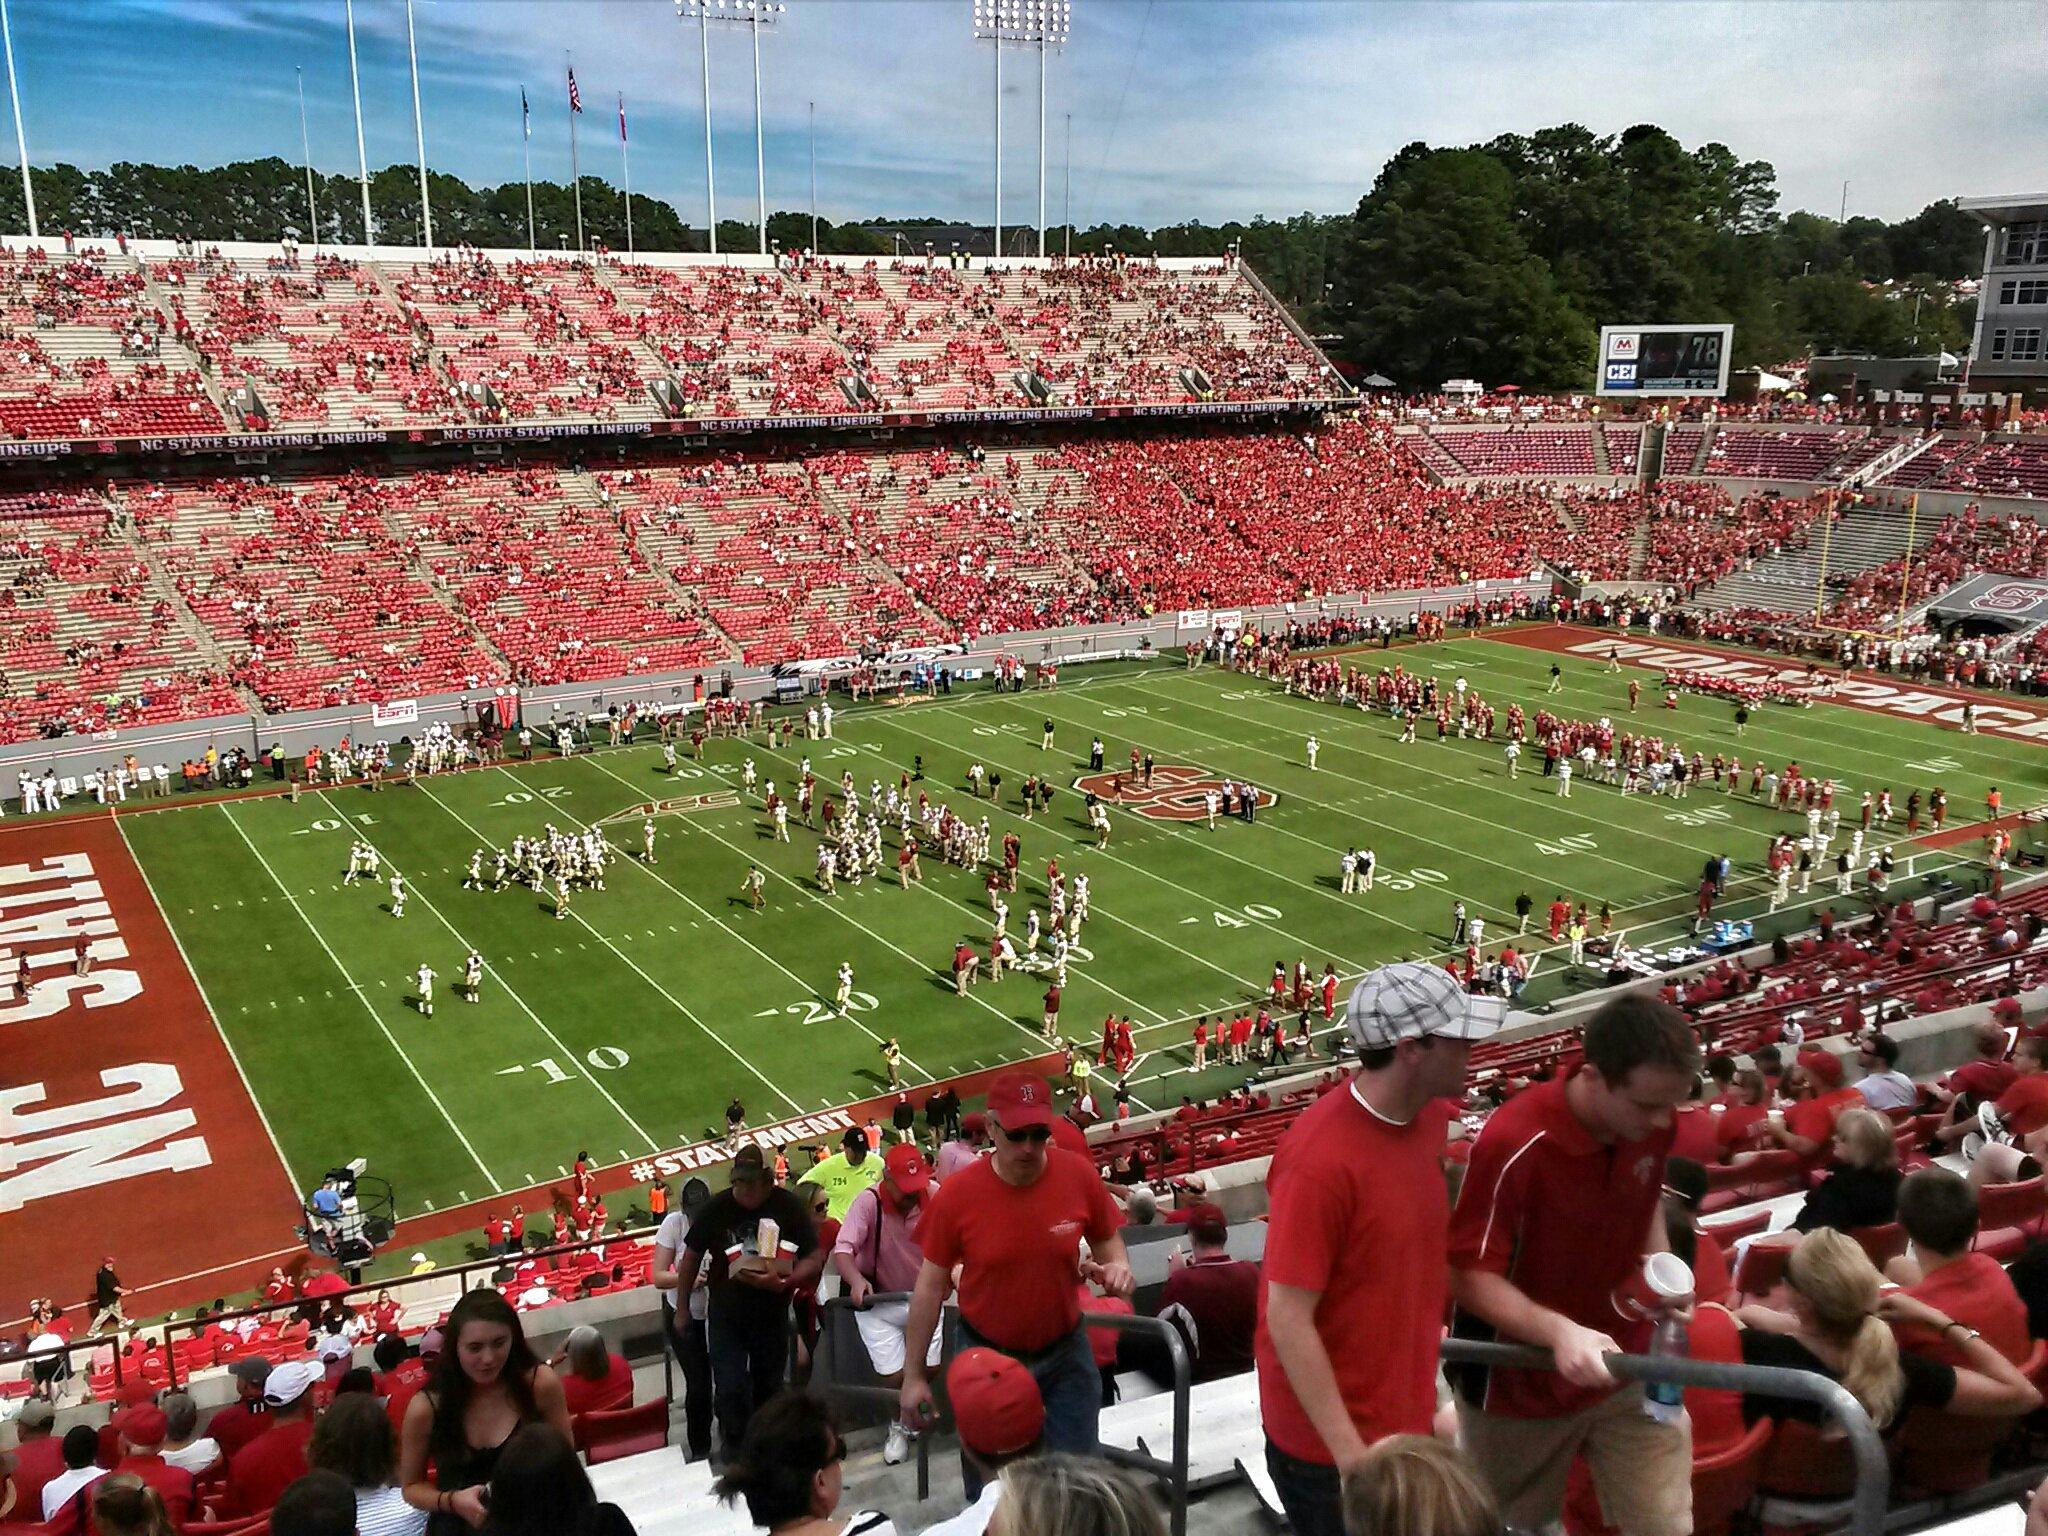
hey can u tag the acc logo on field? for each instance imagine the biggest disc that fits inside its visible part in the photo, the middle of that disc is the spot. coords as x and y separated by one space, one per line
1178 792
2010 597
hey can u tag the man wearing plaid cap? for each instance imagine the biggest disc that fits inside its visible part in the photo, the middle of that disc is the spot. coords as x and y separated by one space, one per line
1351 1301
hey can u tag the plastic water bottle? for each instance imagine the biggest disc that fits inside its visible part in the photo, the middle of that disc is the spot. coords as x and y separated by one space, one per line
1665 1400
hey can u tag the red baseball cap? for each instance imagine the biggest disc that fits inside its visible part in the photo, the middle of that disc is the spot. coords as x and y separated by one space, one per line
1207 1222
906 1166
1017 1100
1826 1066
144 1424
996 1404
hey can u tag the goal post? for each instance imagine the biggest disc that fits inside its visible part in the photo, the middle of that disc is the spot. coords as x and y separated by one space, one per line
1896 630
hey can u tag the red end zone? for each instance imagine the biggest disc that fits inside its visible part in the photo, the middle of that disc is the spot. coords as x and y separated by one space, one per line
125 1128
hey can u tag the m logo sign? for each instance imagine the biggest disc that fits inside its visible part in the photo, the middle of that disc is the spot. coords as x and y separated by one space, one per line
1178 792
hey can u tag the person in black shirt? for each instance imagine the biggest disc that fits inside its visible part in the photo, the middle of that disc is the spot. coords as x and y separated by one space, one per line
750 1282
107 1291
1862 1185
1840 1326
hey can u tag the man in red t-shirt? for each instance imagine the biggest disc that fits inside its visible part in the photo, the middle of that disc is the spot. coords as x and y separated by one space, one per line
1559 1207
1013 1223
275 1459
1818 1098
1938 1209
1351 1302
1979 1080
400 1373
245 1418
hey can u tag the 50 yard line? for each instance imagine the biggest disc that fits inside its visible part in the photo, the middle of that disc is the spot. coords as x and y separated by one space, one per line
364 999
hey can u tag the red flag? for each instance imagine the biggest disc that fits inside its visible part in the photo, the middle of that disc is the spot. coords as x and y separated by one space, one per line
622 119
575 96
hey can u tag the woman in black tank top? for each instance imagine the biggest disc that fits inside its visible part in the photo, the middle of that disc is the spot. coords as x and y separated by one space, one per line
486 1385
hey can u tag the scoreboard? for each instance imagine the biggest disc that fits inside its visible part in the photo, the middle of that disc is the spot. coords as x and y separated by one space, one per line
1664 360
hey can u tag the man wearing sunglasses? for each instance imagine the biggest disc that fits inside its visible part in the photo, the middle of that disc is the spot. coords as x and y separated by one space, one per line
1013 1224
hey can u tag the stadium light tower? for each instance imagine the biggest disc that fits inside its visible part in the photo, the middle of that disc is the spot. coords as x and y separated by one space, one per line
753 15
28 191
1043 24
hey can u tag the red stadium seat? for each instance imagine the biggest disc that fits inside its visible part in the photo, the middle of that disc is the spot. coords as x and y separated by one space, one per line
607 1436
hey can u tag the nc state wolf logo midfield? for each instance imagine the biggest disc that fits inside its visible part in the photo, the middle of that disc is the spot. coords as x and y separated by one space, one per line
1178 792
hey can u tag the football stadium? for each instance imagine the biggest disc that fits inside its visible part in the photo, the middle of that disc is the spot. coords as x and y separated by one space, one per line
695 874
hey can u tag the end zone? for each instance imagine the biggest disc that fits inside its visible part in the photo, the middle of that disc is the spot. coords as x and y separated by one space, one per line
128 1131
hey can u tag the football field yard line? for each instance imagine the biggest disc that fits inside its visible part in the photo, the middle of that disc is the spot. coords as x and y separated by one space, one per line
833 907
716 921
217 1016
363 997
674 1001
1115 858
582 1067
1364 723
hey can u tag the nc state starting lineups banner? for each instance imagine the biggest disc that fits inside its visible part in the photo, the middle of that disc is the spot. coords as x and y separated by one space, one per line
692 426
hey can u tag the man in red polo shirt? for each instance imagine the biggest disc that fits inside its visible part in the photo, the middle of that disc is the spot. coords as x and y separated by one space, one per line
1559 1207
1352 1300
1013 1223
1212 1297
1977 1081
275 1459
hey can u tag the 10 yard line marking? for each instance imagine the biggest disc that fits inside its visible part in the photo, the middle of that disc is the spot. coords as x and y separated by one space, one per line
676 1002
492 971
354 987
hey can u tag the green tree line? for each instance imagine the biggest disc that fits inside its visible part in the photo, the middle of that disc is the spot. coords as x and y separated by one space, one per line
1497 261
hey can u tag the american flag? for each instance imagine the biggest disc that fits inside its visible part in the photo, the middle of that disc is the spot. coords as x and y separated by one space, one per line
575 96
525 114
622 119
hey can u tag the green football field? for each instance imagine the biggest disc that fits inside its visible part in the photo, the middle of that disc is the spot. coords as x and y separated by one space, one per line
625 1029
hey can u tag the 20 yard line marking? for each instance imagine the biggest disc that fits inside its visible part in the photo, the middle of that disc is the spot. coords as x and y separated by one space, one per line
321 939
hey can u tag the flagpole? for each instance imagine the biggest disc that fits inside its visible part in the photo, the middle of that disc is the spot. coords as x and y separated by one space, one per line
760 164
419 133
575 176
28 191
814 178
355 86
306 150
526 144
710 180
626 175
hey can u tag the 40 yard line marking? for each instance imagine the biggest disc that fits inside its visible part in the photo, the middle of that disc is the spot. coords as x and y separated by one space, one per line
321 939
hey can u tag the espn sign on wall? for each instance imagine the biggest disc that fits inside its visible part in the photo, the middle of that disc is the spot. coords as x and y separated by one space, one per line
1664 360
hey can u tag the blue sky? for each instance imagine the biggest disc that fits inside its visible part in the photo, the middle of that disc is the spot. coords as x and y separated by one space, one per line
1181 108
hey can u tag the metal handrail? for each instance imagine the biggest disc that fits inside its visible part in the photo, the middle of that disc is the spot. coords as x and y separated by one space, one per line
1873 1470
1171 1470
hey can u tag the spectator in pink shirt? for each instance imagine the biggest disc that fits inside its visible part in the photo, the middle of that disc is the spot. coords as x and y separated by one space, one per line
964 1148
877 1253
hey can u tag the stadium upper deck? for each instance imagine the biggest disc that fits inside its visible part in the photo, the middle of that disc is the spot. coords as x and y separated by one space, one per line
157 341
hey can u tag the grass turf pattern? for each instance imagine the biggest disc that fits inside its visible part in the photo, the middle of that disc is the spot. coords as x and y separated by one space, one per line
626 1028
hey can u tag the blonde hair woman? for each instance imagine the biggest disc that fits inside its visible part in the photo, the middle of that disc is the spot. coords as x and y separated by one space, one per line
1067 1495
1413 1485
1839 1327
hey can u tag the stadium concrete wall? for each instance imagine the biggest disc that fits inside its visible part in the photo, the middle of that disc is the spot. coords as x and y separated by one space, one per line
172 744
